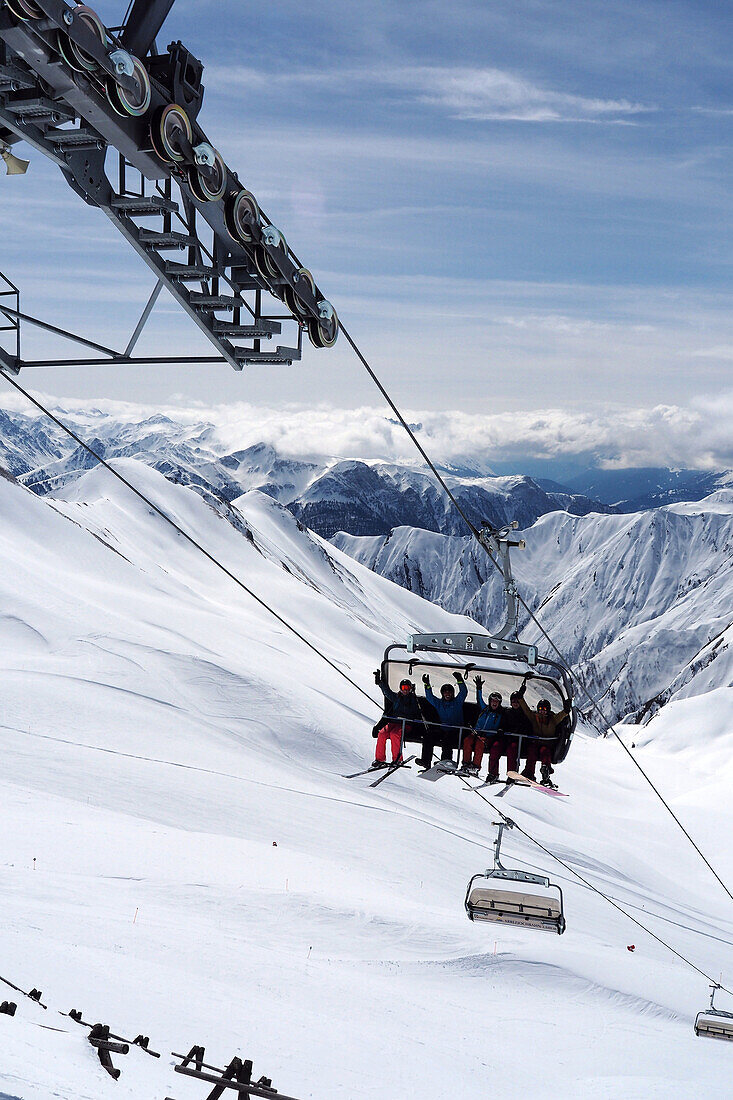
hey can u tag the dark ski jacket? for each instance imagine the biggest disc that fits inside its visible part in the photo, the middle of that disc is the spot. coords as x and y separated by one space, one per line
488 720
450 712
399 705
515 722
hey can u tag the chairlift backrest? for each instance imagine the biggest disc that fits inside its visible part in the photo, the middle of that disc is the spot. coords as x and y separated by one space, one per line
524 908
714 1025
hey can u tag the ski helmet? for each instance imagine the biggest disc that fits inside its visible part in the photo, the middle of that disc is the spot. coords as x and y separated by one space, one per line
405 685
447 688
544 704
495 695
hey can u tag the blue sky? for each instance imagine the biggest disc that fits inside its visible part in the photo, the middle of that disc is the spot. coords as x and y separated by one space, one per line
512 204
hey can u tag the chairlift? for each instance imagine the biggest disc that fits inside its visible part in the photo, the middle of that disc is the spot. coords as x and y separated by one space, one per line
712 1022
514 897
501 660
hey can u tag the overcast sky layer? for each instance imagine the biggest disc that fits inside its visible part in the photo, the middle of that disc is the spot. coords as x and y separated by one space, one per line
515 205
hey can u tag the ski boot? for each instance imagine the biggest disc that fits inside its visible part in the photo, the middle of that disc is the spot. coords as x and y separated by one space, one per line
546 771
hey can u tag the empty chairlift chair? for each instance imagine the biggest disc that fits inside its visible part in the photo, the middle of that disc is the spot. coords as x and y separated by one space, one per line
505 896
712 1022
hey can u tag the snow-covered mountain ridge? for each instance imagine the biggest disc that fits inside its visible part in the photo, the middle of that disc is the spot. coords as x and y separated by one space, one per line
642 604
328 494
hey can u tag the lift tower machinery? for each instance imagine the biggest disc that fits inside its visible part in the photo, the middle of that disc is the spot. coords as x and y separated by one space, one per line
119 118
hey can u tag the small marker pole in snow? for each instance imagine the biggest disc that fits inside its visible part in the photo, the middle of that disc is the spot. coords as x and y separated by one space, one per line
495 943
134 919
309 951
34 863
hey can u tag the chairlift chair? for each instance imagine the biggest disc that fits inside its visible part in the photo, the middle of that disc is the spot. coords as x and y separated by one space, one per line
514 897
501 663
712 1022
500 659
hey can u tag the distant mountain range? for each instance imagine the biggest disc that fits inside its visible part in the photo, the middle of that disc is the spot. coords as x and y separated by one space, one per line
327 494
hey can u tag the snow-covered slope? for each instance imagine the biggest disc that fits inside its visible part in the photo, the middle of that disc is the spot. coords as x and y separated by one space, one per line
182 858
640 602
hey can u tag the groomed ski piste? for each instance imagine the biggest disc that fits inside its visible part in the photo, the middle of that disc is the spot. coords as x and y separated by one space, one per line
181 857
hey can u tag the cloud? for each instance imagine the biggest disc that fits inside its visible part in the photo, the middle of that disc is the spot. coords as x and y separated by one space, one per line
695 436
470 94
493 94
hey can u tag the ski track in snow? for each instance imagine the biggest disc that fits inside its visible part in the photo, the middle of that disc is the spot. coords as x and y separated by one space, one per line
160 732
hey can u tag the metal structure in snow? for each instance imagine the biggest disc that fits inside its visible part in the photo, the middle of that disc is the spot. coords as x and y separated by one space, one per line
120 121
512 897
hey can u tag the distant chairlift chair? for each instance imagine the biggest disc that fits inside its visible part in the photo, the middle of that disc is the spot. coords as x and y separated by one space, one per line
712 1022
512 897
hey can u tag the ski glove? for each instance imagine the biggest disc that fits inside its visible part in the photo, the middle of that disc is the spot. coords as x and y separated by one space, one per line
478 682
426 680
377 676
458 676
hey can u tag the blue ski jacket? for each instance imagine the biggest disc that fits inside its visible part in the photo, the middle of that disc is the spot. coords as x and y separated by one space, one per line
450 711
488 720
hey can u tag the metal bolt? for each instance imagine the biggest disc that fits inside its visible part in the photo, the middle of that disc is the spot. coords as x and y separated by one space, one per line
68 17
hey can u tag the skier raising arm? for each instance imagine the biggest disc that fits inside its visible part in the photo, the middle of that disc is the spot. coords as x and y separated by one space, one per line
487 730
402 704
449 708
544 725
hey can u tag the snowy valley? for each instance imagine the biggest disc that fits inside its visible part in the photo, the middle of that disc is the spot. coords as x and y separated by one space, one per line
183 858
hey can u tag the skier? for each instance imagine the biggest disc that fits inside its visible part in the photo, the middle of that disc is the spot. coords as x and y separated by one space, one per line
402 704
487 723
514 724
450 712
544 724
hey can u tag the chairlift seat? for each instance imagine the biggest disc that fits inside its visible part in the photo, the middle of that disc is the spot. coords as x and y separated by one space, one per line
521 908
714 1025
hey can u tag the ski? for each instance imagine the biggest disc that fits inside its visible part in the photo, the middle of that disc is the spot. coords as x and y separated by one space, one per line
391 769
522 781
366 771
489 783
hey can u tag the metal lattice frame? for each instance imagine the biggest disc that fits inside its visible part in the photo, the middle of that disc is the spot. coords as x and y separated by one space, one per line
123 131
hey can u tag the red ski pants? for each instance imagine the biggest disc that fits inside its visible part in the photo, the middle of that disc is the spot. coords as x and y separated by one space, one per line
499 747
393 731
473 745
536 750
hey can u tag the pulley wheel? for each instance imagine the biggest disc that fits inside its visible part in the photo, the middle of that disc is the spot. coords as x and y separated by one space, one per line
170 121
324 331
133 103
241 214
261 263
84 61
292 300
209 188
24 9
